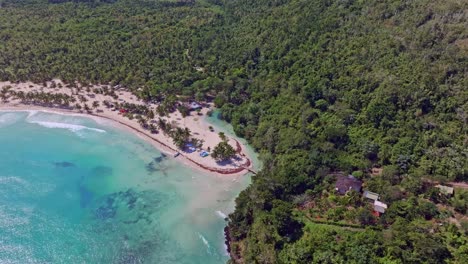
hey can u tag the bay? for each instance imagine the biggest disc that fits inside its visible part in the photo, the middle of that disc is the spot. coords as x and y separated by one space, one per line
77 190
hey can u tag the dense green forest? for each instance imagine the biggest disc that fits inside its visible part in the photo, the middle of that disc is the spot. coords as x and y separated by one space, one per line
318 87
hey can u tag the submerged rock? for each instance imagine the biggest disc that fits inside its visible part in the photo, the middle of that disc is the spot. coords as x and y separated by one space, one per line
105 212
151 167
129 258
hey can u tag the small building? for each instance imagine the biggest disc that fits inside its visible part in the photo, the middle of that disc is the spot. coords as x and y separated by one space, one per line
199 69
380 207
193 106
445 189
371 195
347 183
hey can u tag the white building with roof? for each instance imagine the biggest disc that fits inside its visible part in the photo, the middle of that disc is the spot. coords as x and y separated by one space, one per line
380 207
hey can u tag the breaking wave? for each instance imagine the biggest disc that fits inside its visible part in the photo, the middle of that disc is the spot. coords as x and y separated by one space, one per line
71 127
221 214
208 248
7 119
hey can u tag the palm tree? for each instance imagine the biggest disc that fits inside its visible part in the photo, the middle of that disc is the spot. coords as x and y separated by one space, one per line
150 114
86 107
153 129
82 98
187 132
179 137
4 93
222 136
162 124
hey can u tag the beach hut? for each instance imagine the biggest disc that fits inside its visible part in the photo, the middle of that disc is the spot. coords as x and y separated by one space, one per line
371 195
347 183
193 106
189 147
380 207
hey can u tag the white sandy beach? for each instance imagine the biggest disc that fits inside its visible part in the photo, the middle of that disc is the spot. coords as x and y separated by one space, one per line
198 126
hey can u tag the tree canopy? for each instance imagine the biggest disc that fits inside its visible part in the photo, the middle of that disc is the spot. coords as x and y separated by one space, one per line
315 86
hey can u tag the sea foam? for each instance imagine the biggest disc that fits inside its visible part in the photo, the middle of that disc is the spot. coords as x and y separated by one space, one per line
59 120
208 248
7 119
71 127
11 179
221 214
31 113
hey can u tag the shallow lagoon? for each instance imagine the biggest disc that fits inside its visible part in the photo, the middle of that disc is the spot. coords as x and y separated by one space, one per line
73 190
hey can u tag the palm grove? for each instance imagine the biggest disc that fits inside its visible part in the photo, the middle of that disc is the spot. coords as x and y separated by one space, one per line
316 86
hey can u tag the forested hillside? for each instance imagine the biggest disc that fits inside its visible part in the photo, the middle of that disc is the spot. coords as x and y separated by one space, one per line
318 87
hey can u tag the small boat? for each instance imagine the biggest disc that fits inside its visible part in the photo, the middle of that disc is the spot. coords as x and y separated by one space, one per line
176 155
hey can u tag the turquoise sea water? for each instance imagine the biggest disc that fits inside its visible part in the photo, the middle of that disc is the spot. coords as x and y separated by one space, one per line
74 190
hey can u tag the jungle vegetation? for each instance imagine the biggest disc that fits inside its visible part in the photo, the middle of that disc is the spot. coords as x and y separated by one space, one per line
316 86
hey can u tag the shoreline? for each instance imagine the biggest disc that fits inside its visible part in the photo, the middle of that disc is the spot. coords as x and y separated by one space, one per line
158 144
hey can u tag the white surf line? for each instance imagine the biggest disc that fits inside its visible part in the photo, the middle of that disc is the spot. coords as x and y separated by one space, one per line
208 248
71 127
221 214
8 118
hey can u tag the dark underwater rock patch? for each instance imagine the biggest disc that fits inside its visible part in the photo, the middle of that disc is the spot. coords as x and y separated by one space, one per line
106 212
134 213
151 167
129 257
130 198
135 206
108 209
157 164
160 158
110 204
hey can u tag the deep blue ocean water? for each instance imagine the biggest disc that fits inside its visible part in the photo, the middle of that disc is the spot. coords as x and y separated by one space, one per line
76 190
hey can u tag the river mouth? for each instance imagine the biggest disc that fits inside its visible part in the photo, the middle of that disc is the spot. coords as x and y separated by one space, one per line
73 190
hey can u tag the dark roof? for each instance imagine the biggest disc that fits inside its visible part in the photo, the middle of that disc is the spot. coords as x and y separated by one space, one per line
347 183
